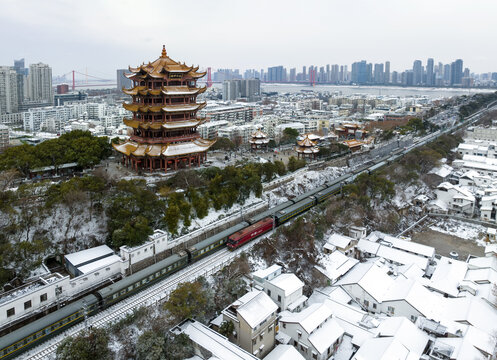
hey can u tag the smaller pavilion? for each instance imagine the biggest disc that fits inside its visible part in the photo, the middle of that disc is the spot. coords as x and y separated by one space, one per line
307 148
259 141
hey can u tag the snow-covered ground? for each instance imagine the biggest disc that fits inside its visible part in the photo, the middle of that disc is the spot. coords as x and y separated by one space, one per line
405 195
303 181
461 229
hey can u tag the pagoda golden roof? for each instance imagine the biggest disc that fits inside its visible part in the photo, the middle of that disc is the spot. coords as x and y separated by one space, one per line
164 64
167 108
259 134
135 124
166 90
166 150
184 107
306 142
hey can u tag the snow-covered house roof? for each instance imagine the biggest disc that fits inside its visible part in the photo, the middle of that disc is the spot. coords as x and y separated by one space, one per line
406 332
409 246
448 275
326 336
340 241
309 318
385 348
268 273
289 283
369 276
284 352
367 246
442 171
255 307
220 347
336 264
401 257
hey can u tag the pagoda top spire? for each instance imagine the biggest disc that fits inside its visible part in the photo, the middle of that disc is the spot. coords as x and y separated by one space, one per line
164 53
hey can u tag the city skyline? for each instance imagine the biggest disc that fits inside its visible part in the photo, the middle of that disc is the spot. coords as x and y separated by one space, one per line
69 35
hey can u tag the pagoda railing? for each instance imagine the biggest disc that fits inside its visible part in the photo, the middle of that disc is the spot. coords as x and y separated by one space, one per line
163 140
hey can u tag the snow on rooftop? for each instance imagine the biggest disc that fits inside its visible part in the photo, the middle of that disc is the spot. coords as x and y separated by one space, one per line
326 336
309 318
406 332
401 257
264 273
447 276
109 260
367 246
257 309
340 241
88 255
381 349
289 283
442 171
425 250
336 264
284 352
218 345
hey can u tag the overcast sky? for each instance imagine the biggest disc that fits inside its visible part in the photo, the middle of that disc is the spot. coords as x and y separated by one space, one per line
101 36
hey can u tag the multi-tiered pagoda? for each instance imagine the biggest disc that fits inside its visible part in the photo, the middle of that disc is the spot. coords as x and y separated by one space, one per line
164 122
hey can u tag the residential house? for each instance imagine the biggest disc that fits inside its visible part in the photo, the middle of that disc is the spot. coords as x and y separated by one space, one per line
254 319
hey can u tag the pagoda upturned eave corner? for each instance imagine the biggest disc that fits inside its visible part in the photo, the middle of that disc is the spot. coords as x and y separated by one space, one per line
164 122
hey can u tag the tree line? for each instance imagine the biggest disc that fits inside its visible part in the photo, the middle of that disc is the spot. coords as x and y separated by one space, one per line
77 146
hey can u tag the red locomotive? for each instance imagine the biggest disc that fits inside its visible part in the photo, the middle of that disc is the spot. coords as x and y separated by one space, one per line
241 237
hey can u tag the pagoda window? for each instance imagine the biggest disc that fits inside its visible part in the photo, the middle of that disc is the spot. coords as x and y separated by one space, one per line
142 83
174 83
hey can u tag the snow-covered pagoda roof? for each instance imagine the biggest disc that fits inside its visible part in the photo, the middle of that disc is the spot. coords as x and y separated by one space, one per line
155 150
164 64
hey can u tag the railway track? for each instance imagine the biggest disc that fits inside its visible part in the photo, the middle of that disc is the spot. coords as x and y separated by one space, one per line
149 296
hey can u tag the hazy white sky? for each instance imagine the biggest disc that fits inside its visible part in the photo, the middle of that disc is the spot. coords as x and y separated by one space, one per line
101 36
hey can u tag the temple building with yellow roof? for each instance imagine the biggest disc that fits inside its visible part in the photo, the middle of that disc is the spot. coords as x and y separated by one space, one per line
164 123
258 141
307 148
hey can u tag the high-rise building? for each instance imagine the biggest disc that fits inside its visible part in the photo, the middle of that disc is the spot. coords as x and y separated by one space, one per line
304 73
430 76
387 72
456 72
275 74
122 81
395 77
293 75
40 83
359 72
446 74
417 70
9 101
335 74
231 90
379 76
19 67
164 120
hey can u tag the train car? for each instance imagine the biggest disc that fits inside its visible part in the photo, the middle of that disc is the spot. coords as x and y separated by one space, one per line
243 236
377 166
20 340
292 211
270 212
328 192
309 193
141 279
213 243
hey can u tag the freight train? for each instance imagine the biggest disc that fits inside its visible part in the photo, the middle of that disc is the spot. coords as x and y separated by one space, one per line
14 343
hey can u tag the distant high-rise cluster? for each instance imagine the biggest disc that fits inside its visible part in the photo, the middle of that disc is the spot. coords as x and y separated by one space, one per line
21 88
249 89
365 73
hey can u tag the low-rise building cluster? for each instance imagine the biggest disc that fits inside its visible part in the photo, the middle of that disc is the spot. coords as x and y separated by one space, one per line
387 298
